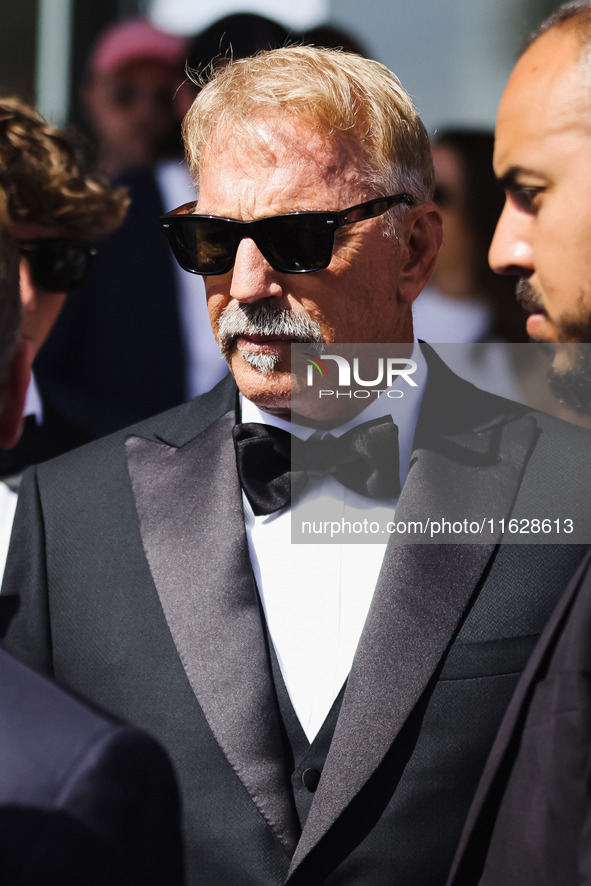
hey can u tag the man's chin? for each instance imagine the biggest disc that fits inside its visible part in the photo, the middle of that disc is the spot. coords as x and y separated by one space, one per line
267 385
266 362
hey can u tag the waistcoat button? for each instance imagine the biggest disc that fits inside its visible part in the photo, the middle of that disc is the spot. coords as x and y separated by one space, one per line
310 778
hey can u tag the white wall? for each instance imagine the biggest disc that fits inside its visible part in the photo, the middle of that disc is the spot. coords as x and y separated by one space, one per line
189 16
453 56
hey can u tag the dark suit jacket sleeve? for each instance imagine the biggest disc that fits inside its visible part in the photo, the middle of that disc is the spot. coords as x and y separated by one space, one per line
115 820
530 820
116 353
115 817
29 636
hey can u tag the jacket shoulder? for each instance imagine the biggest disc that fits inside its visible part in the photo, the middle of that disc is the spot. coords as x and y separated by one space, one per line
176 427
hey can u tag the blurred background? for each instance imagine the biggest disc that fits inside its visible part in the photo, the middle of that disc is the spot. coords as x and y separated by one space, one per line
453 56
133 336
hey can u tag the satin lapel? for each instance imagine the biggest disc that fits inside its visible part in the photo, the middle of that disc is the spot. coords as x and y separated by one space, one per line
421 595
189 506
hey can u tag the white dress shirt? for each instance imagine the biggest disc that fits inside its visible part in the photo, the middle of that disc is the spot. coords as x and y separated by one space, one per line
33 403
316 596
7 509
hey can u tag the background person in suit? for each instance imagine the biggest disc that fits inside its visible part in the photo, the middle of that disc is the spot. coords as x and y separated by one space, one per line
328 707
470 201
58 214
83 797
136 339
530 822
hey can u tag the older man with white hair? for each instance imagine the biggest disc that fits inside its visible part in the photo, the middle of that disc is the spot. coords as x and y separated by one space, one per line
328 706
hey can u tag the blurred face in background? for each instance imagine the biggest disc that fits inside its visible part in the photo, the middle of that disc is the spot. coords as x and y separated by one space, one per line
454 273
131 111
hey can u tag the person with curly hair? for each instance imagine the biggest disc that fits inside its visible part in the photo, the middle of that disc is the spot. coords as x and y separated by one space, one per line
58 214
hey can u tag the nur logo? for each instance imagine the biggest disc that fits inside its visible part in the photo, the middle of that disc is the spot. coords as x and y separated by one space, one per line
315 362
387 371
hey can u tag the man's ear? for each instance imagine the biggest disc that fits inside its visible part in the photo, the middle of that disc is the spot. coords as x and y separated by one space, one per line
423 236
13 398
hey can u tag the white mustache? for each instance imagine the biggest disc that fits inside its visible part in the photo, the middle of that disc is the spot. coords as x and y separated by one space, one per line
262 319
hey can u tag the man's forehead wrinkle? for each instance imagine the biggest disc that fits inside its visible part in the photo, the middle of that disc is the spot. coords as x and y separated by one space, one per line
282 177
279 140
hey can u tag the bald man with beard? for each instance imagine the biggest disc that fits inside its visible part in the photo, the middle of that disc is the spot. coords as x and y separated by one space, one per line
530 822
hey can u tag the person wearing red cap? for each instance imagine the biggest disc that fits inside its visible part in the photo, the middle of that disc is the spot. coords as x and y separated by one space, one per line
132 74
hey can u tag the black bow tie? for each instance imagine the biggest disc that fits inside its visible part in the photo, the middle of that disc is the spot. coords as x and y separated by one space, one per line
274 467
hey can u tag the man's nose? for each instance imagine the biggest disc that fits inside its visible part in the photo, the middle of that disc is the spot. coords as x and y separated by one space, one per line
253 278
511 251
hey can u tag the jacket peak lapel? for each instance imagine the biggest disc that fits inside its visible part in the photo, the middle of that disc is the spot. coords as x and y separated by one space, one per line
189 506
421 596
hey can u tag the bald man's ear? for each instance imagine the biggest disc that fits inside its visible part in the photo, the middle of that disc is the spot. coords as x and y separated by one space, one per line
13 400
423 234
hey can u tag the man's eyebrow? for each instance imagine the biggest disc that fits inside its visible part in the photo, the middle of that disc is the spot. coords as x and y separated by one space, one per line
510 181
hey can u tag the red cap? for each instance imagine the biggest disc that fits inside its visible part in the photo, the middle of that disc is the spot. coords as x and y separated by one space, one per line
134 40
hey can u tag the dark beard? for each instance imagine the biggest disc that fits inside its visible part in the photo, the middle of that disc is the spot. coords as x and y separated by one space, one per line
571 329
526 295
571 385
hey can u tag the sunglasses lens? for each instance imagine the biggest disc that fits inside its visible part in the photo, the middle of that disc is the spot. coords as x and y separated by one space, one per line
292 244
129 94
57 265
298 243
202 246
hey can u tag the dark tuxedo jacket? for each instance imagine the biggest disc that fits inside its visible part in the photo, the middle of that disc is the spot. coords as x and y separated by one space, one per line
83 797
530 822
38 443
131 558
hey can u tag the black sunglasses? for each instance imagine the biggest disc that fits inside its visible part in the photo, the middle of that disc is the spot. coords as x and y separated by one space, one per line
293 243
128 94
57 263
